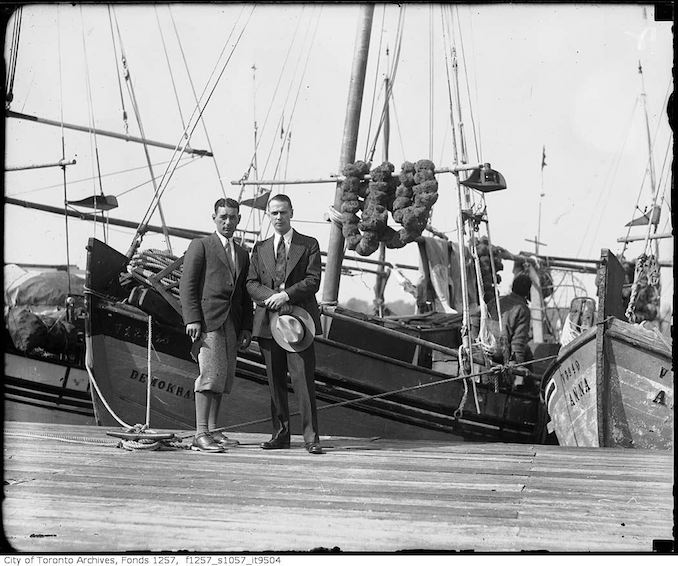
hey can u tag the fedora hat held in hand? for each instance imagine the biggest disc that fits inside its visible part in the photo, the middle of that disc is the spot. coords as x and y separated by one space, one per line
293 332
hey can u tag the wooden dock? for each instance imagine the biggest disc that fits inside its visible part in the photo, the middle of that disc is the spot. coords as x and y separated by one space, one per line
70 489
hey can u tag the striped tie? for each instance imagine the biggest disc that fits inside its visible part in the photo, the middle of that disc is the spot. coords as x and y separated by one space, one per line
229 257
280 265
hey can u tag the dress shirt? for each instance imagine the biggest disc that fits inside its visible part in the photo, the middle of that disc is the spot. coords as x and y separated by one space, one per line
288 240
223 239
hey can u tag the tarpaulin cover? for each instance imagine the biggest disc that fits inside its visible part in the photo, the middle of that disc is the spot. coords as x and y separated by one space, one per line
45 288
49 331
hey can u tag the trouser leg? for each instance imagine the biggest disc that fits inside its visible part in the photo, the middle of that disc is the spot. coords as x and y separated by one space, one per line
276 372
302 372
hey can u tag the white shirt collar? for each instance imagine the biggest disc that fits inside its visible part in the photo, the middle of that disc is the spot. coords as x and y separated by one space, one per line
287 237
223 239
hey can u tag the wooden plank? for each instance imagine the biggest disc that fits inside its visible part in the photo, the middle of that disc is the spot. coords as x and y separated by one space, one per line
417 495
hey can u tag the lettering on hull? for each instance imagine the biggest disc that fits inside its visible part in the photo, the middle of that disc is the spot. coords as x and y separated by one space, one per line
660 398
576 387
580 389
569 371
162 385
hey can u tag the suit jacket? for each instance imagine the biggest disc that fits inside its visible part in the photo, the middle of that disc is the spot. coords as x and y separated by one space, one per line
208 289
302 279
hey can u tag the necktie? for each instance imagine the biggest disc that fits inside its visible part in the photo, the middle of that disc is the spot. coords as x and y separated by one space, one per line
229 257
280 264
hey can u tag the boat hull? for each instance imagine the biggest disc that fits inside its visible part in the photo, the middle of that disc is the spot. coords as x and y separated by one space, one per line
632 407
39 390
640 389
613 385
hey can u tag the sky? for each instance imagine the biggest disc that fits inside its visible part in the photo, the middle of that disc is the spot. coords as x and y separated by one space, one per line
554 79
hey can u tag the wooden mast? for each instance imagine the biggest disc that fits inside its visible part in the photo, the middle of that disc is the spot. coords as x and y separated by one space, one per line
335 250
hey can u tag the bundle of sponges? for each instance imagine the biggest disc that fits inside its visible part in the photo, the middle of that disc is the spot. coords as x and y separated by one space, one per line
483 250
410 202
354 188
646 300
404 196
379 200
416 195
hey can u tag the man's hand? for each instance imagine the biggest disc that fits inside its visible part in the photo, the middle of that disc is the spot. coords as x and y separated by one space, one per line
194 329
244 340
285 309
277 300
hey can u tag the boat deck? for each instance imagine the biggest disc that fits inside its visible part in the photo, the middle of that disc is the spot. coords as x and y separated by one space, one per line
68 488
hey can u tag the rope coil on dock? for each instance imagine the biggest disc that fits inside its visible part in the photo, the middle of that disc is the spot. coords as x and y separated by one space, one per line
140 437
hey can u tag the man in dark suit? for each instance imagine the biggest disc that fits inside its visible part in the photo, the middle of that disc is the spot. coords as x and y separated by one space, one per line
218 315
285 272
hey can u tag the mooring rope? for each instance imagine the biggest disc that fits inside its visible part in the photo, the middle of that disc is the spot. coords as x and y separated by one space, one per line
495 369
70 438
177 444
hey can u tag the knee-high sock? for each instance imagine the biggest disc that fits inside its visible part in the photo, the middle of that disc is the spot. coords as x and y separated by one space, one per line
203 402
214 409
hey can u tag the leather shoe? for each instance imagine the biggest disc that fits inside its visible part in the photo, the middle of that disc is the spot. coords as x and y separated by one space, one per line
203 442
222 439
313 448
275 444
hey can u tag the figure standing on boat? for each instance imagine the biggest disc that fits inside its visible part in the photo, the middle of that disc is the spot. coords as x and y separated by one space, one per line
512 340
283 279
217 311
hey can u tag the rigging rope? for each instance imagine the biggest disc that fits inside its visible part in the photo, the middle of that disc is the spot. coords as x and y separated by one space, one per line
117 72
460 121
395 115
188 131
85 179
645 174
195 98
392 77
485 337
610 178
296 98
281 123
468 91
188 161
449 87
169 67
63 148
374 87
13 56
275 92
389 393
92 121
495 282
289 92
135 108
430 82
